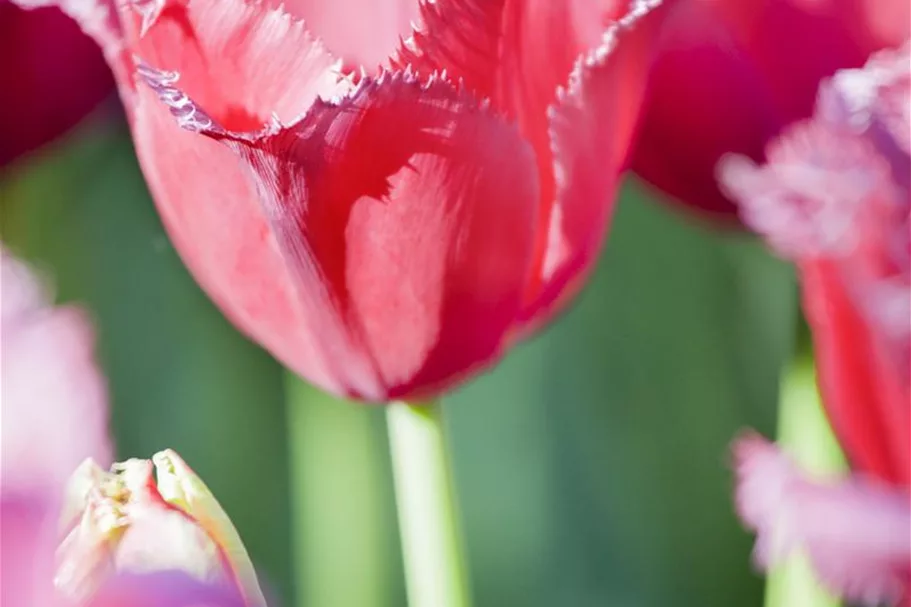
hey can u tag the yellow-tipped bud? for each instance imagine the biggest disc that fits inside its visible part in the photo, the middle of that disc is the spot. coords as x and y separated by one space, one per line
124 520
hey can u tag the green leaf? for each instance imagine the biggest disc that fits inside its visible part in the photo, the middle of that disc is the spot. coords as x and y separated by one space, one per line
593 465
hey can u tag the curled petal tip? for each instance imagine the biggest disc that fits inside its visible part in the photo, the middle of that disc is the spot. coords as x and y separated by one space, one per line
180 486
856 533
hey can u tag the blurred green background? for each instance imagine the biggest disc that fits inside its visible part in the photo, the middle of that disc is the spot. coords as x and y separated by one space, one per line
592 465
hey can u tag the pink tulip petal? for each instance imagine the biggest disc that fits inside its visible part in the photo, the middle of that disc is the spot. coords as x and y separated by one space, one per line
514 53
592 127
28 536
866 399
242 62
519 55
856 533
806 201
363 33
217 223
389 207
426 330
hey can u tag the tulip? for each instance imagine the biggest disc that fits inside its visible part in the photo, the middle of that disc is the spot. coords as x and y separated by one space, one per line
124 521
834 197
53 75
54 413
384 234
729 76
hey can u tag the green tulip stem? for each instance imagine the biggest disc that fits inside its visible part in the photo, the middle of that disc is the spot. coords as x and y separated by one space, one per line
804 432
339 512
435 570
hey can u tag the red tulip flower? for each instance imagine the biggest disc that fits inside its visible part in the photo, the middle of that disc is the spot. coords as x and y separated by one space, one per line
52 74
728 76
834 197
386 232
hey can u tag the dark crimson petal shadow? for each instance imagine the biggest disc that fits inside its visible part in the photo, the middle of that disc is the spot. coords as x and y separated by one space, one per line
701 67
729 77
53 75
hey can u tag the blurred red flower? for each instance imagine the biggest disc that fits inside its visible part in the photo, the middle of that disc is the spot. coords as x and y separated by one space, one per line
728 76
835 197
52 74
384 233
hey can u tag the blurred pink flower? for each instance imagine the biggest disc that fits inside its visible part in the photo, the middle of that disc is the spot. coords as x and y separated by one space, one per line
834 197
52 74
50 385
856 532
54 415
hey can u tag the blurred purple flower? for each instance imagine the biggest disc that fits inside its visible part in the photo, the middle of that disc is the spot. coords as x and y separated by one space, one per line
52 75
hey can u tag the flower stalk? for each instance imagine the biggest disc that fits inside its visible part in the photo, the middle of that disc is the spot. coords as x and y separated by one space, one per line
435 570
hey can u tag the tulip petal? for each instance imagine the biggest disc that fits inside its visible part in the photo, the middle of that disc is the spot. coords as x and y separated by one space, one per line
85 555
207 201
592 128
514 53
856 533
363 33
164 589
242 62
865 396
520 55
517 55
181 487
389 206
28 537
77 494
166 539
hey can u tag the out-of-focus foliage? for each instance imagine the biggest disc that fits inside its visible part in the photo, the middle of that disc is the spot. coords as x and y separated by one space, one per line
592 465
